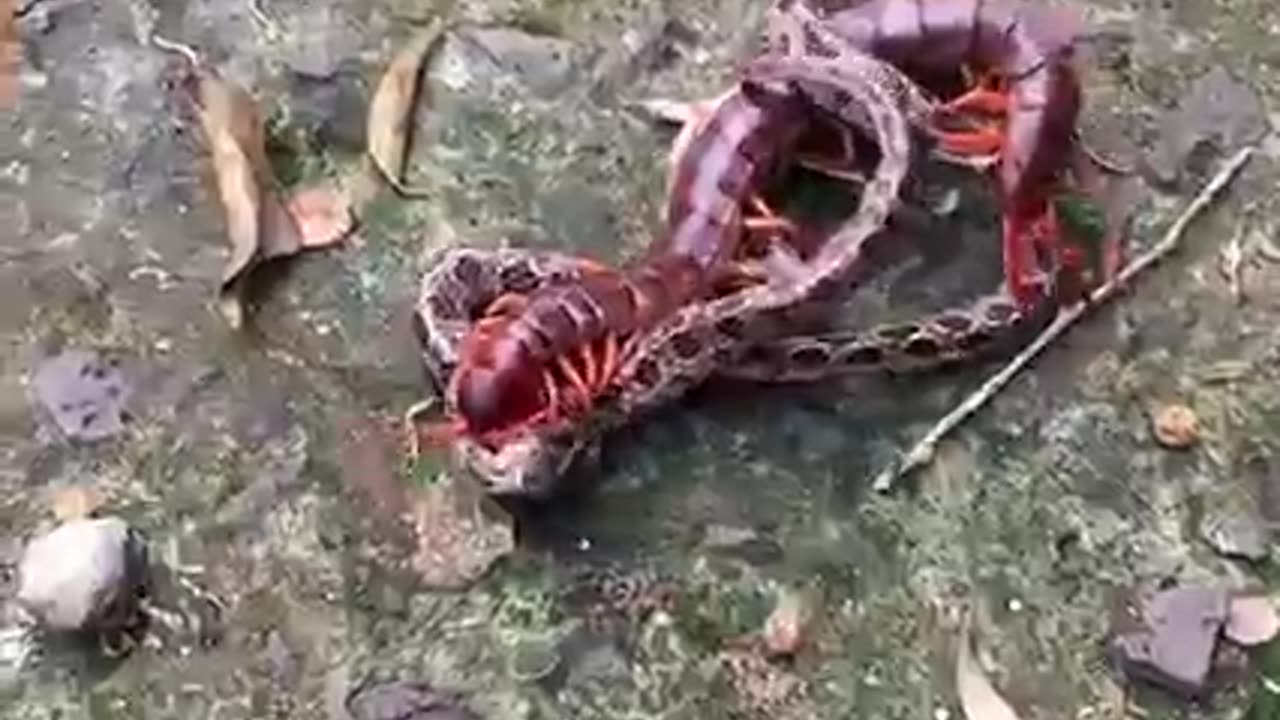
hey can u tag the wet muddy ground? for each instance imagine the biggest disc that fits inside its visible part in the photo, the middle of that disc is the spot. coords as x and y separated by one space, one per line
251 461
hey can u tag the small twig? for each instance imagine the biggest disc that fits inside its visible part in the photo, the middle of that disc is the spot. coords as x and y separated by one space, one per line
176 47
271 27
1231 264
923 451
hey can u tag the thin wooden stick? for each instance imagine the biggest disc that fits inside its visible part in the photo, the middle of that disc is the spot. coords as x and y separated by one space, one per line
923 451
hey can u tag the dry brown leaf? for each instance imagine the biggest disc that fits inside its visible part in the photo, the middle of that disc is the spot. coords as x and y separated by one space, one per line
978 698
76 502
10 54
259 224
1251 620
391 109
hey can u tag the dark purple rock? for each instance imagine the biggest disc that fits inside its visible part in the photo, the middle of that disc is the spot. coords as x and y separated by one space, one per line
84 394
406 700
1168 637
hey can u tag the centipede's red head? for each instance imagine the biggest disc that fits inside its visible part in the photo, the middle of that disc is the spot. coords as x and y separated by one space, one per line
490 400
496 388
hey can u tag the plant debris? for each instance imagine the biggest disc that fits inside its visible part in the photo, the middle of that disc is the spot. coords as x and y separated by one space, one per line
390 120
1251 620
978 697
1175 426
322 214
259 225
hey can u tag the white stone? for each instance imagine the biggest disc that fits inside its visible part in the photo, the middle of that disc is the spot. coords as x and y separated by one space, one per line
70 579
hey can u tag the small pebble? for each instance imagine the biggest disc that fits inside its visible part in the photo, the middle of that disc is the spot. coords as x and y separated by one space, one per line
1176 426
787 627
82 576
1251 620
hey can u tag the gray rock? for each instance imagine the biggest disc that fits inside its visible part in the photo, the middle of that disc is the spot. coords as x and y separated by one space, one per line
406 700
1168 638
86 395
1235 535
82 576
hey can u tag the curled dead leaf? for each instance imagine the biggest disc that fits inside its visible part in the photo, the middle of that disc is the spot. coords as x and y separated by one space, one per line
978 697
1251 620
391 109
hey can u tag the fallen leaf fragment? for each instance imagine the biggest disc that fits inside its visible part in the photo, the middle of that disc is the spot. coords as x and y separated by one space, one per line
978 698
322 215
1175 426
1251 620
232 127
391 109
10 54
76 502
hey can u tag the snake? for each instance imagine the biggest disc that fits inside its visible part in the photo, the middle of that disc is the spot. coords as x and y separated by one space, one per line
744 334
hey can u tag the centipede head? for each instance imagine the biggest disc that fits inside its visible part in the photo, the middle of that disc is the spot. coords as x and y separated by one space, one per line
491 398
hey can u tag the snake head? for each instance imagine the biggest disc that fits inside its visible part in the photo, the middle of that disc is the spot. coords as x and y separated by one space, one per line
529 464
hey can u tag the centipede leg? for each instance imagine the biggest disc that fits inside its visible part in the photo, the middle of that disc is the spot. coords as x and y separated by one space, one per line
988 96
1020 274
608 360
575 380
590 368
985 141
